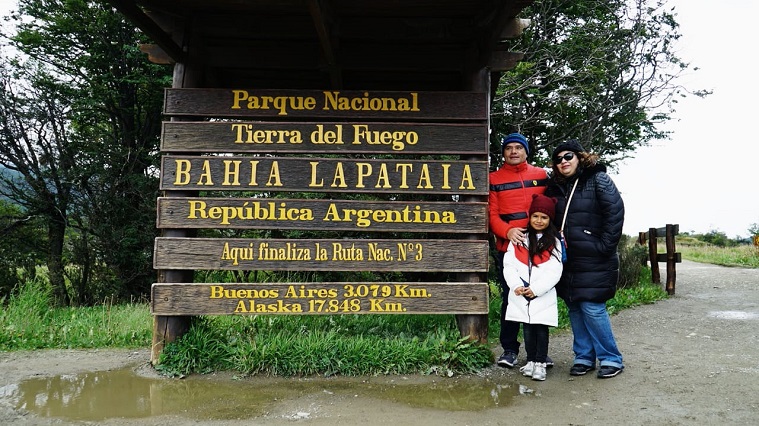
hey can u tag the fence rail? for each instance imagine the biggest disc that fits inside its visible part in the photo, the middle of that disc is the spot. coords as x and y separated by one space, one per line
671 257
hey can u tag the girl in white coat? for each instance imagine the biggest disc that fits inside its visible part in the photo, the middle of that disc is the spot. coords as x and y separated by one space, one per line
531 270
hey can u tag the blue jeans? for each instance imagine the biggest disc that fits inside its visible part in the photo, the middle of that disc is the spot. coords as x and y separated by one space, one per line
593 338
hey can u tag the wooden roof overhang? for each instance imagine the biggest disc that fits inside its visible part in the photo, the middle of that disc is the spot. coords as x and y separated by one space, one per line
331 44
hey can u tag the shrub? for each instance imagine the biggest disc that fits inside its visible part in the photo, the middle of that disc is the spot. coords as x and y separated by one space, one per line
632 257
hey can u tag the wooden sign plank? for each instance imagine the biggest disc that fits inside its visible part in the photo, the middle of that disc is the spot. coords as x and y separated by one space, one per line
319 298
311 174
327 215
323 137
321 254
326 104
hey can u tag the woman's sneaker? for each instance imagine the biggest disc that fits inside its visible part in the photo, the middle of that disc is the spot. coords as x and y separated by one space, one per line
608 371
580 369
539 371
528 369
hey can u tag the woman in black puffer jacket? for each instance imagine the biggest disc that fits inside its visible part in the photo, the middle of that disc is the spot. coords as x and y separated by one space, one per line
592 228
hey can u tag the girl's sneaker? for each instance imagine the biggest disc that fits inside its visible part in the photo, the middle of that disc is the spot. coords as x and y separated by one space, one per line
539 371
527 369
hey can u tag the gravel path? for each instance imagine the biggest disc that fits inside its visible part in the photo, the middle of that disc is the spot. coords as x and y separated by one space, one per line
691 359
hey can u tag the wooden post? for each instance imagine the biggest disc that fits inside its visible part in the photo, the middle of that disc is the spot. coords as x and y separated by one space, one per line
655 277
475 326
642 241
167 329
671 259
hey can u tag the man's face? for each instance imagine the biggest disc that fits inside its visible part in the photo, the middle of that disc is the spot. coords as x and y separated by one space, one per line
514 153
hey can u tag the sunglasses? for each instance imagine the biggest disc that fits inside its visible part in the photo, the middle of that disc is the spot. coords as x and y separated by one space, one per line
568 157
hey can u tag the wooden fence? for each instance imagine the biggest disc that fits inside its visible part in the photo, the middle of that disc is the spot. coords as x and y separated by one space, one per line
670 256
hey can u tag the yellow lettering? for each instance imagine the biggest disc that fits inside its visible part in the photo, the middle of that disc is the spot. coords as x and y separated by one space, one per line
238 96
339 177
383 177
206 175
182 172
466 178
404 168
424 176
364 170
313 182
445 184
253 170
274 175
231 170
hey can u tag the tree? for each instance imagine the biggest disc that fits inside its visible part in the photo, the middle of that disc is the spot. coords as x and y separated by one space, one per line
115 115
603 72
35 143
21 246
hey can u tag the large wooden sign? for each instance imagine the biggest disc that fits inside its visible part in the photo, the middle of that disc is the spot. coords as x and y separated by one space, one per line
321 254
323 175
265 141
319 298
328 215
326 104
323 137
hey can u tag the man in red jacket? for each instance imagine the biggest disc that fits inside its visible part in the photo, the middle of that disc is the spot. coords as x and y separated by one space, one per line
511 189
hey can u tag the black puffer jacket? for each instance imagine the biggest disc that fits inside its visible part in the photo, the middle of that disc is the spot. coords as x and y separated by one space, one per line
592 229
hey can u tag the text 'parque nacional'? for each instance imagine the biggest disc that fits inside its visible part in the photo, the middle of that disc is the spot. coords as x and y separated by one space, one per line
331 101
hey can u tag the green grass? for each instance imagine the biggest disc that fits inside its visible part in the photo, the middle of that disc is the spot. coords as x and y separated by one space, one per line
745 256
325 345
275 344
27 322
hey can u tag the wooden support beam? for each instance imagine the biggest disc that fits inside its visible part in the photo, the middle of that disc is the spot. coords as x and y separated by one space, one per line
323 22
475 326
514 28
156 55
504 61
151 29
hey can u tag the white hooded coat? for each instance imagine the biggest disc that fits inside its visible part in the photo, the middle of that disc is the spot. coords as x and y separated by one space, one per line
541 275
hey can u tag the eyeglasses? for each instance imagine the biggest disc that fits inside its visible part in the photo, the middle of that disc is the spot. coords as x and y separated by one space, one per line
568 157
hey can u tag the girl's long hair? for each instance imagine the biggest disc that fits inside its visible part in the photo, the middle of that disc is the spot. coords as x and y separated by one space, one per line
546 242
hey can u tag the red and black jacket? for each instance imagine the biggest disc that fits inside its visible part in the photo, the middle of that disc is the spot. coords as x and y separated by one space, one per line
511 190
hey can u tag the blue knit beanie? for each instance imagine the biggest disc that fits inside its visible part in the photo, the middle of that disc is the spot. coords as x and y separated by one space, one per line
515 137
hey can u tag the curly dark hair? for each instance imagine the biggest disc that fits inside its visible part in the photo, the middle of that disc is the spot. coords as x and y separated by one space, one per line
586 159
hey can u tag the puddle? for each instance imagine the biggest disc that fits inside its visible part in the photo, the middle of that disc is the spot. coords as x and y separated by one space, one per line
98 396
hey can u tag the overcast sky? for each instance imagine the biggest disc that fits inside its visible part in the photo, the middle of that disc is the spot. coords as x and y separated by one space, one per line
705 177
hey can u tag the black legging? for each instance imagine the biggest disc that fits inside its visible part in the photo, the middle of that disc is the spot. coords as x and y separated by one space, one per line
536 342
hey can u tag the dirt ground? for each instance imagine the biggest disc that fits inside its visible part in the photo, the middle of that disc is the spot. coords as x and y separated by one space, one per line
692 359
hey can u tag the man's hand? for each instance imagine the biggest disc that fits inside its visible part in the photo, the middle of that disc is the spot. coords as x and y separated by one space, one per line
516 235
